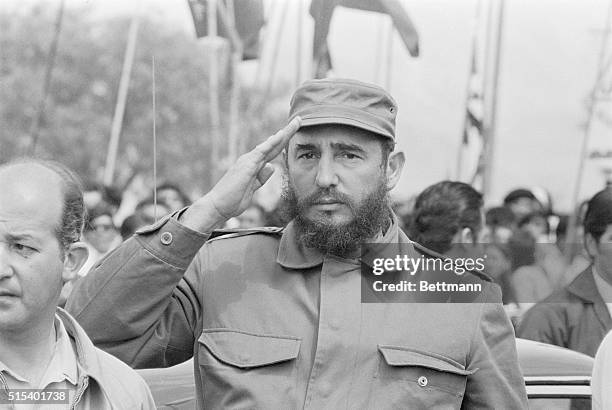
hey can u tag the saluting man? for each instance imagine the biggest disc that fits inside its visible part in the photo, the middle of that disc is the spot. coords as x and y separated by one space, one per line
273 317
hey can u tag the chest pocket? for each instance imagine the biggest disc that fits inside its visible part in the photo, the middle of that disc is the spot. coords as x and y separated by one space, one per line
243 370
409 378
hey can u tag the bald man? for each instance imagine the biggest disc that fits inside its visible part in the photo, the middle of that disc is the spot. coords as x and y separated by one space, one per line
41 219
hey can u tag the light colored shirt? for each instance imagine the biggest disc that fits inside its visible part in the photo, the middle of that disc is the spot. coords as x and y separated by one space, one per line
61 372
601 382
604 289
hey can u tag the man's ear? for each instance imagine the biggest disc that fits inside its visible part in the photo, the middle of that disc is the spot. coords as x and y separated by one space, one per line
590 244
74 258
395 164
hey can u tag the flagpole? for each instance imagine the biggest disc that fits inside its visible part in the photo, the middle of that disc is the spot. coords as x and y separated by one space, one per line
468 89
236 56
213 91
275 51
124 83
388 73
490 126
299 40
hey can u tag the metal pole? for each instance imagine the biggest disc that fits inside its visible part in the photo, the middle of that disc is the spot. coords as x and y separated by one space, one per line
275 51
35 128
213 91
388 73
234 123
298 48
468 89
124 83
490 127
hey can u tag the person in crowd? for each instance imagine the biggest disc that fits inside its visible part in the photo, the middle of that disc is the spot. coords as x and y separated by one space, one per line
100 236
500 223
151 210
273 317
42 346
577 316
133 223
100 233
548 255
173 196
530 282
522 202
147 212
536 224
601 380
448 220
575 252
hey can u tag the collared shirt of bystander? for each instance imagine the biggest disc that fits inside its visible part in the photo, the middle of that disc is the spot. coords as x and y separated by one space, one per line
61 372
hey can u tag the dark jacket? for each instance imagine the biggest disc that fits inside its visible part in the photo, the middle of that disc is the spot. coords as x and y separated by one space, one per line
272 324
575 317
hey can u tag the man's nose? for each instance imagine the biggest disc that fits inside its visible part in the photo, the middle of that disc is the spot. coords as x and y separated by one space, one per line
5 266
326 173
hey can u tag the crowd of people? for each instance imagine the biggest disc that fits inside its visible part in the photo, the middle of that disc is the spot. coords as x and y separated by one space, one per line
271 308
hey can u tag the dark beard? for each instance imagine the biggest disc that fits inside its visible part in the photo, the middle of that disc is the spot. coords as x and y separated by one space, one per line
370 217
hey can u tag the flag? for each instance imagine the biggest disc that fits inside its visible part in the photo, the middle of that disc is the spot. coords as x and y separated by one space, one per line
248 17
322 11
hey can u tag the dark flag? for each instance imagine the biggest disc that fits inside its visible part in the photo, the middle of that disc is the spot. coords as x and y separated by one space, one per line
322 11
248 17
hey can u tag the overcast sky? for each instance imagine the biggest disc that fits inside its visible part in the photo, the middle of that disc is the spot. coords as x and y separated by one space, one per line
548 67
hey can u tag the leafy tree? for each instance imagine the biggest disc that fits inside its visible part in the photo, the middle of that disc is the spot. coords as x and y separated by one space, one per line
77 120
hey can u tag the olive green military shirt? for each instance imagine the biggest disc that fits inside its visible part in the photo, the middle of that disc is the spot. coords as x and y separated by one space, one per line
272 324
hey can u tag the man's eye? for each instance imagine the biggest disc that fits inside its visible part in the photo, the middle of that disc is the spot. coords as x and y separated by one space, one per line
23 249
349 155
307 155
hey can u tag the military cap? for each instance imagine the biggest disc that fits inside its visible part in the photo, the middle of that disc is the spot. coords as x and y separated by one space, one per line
345 102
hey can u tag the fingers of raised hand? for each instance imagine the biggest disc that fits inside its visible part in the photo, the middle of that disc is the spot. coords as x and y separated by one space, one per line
271 147
265 174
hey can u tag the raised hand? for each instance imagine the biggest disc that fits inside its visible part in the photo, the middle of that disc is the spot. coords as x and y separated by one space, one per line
234 191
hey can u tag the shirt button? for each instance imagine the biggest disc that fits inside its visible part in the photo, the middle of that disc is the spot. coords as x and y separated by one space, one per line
422 381
166 238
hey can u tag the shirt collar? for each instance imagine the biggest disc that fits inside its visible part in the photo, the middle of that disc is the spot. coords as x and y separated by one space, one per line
604 288
584 286
293 254
63 364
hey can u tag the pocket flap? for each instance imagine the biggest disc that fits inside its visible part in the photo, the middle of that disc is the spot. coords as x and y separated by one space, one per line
404 356
246 350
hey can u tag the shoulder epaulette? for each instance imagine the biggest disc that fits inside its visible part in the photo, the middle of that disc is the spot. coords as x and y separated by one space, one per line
233 233
433 254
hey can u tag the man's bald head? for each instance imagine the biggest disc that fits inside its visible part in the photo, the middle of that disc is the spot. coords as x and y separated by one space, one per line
53 179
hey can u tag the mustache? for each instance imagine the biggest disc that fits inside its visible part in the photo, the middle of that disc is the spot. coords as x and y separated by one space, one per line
325 195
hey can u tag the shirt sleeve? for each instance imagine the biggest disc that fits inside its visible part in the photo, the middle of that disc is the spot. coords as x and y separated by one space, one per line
142 302
498 382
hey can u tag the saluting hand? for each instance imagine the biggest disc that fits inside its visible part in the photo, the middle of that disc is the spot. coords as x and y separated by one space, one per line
234 191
